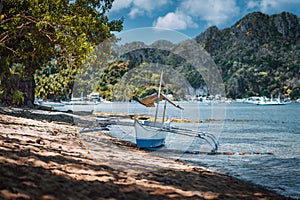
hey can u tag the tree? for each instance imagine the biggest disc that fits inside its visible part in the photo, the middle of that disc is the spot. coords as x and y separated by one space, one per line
34 32
109 77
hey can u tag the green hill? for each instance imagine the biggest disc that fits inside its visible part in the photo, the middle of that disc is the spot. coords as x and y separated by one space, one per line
258 55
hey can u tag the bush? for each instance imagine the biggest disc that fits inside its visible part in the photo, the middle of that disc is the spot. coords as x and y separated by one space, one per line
18 97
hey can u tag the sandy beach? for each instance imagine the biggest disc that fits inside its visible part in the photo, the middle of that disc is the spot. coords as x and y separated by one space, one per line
45 156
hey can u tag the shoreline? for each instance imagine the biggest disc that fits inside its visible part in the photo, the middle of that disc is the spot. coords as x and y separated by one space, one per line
52 160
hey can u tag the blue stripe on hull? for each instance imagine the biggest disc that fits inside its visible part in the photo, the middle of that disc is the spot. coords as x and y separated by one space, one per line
150 143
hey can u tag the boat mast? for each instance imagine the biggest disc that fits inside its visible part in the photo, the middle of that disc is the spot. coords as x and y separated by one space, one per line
165 107
158 97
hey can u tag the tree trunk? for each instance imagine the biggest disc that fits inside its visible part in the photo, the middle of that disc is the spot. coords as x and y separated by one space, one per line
28 88
25 88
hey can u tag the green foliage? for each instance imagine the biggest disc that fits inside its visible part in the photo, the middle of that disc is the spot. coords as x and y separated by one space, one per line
144 80
13 77
256 57
295 94
54 81
18 97
1 94
143 92
109 77
148 54
34 32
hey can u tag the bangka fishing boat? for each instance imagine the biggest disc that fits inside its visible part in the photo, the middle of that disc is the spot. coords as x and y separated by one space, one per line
154 134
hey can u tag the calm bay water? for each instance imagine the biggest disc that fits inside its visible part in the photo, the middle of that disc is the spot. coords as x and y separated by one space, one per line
262 129
240 128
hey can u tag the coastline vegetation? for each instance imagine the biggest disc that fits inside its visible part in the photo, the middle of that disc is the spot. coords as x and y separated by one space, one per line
50 39
46 46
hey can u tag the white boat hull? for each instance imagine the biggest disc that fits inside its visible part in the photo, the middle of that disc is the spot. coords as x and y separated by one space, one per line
149 137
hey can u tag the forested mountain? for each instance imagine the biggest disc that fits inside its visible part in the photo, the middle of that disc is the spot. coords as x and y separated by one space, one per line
258 55
144 63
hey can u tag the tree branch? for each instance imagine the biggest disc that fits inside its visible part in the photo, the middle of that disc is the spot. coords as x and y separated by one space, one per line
10 49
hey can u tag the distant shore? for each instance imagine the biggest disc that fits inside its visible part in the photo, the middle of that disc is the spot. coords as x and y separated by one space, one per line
43 156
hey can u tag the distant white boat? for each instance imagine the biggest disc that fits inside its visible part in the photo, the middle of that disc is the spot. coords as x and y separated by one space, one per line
270 102
253 100
51 104
265 101
80 102
91 99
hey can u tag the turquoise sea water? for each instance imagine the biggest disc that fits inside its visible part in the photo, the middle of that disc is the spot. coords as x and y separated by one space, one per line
262 129
271 131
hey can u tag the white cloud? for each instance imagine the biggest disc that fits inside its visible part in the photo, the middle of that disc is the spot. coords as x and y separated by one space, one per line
196 13
149 5
275 6
252 4
216 12
138 7
120 4
135 12
213 12
177 21
266 6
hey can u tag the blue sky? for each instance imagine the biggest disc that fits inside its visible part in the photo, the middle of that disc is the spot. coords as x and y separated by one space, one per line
192 17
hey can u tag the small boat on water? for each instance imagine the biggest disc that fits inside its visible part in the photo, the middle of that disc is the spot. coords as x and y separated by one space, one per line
263 101
149 137
153 134
48 104
80 102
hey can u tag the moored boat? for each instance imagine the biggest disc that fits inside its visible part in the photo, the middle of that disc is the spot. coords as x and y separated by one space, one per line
149 137
154 134
265 101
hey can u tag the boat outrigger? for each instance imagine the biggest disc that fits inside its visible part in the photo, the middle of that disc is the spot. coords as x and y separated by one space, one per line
154 134
151 135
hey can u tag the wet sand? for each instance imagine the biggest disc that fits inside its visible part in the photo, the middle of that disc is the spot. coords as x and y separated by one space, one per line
44 158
